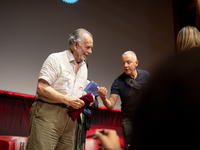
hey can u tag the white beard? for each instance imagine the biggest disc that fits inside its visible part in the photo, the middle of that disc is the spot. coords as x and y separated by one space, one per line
80 54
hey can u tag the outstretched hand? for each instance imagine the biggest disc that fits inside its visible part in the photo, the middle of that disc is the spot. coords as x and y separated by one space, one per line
102 91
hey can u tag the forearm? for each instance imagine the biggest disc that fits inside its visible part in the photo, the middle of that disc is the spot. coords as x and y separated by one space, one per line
107 103
52 94
44 89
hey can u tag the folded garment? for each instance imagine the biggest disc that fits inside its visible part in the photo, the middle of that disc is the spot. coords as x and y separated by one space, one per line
92 88
74 113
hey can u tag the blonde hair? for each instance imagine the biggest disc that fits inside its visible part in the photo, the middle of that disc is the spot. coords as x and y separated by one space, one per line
188 36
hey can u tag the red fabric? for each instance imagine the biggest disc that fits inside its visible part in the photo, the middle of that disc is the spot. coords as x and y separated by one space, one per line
74 113
114 109
104 117
14 115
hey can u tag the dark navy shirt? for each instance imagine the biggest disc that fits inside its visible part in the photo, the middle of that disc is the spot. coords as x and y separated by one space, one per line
129 95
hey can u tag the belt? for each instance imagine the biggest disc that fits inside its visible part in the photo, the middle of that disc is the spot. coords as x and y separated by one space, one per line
57 104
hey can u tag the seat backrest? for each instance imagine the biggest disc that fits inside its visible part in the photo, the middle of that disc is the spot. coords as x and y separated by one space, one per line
18 140
6 144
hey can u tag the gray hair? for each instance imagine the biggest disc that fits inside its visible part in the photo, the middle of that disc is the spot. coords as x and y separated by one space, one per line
77 36
130 52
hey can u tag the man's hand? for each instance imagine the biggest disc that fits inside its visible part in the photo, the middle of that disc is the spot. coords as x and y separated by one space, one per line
109 139
75 102
93 100
102 91
84 93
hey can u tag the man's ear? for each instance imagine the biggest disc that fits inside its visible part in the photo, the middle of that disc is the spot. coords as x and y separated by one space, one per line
75 45
137 62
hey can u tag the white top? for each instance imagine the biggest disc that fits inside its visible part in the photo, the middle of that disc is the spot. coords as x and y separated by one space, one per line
59 71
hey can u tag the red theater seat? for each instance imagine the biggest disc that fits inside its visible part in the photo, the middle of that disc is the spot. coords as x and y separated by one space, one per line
13 142
7 144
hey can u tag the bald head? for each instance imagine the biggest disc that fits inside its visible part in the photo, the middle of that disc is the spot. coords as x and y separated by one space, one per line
129 63
130 53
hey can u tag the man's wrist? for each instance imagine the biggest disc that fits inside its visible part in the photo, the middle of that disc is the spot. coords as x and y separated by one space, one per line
67 100
111 106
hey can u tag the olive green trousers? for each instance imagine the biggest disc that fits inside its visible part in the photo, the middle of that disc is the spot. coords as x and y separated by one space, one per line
51 127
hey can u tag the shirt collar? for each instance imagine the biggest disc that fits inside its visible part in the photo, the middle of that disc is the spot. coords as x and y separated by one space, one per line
72 59
138 74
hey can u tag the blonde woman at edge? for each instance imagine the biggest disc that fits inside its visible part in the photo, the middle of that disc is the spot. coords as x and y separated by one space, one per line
187 37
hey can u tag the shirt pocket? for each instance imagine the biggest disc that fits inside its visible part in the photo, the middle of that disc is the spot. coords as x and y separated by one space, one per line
80 83
64 82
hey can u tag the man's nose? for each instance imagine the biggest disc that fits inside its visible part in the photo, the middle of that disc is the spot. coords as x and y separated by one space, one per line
125 64
90 51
